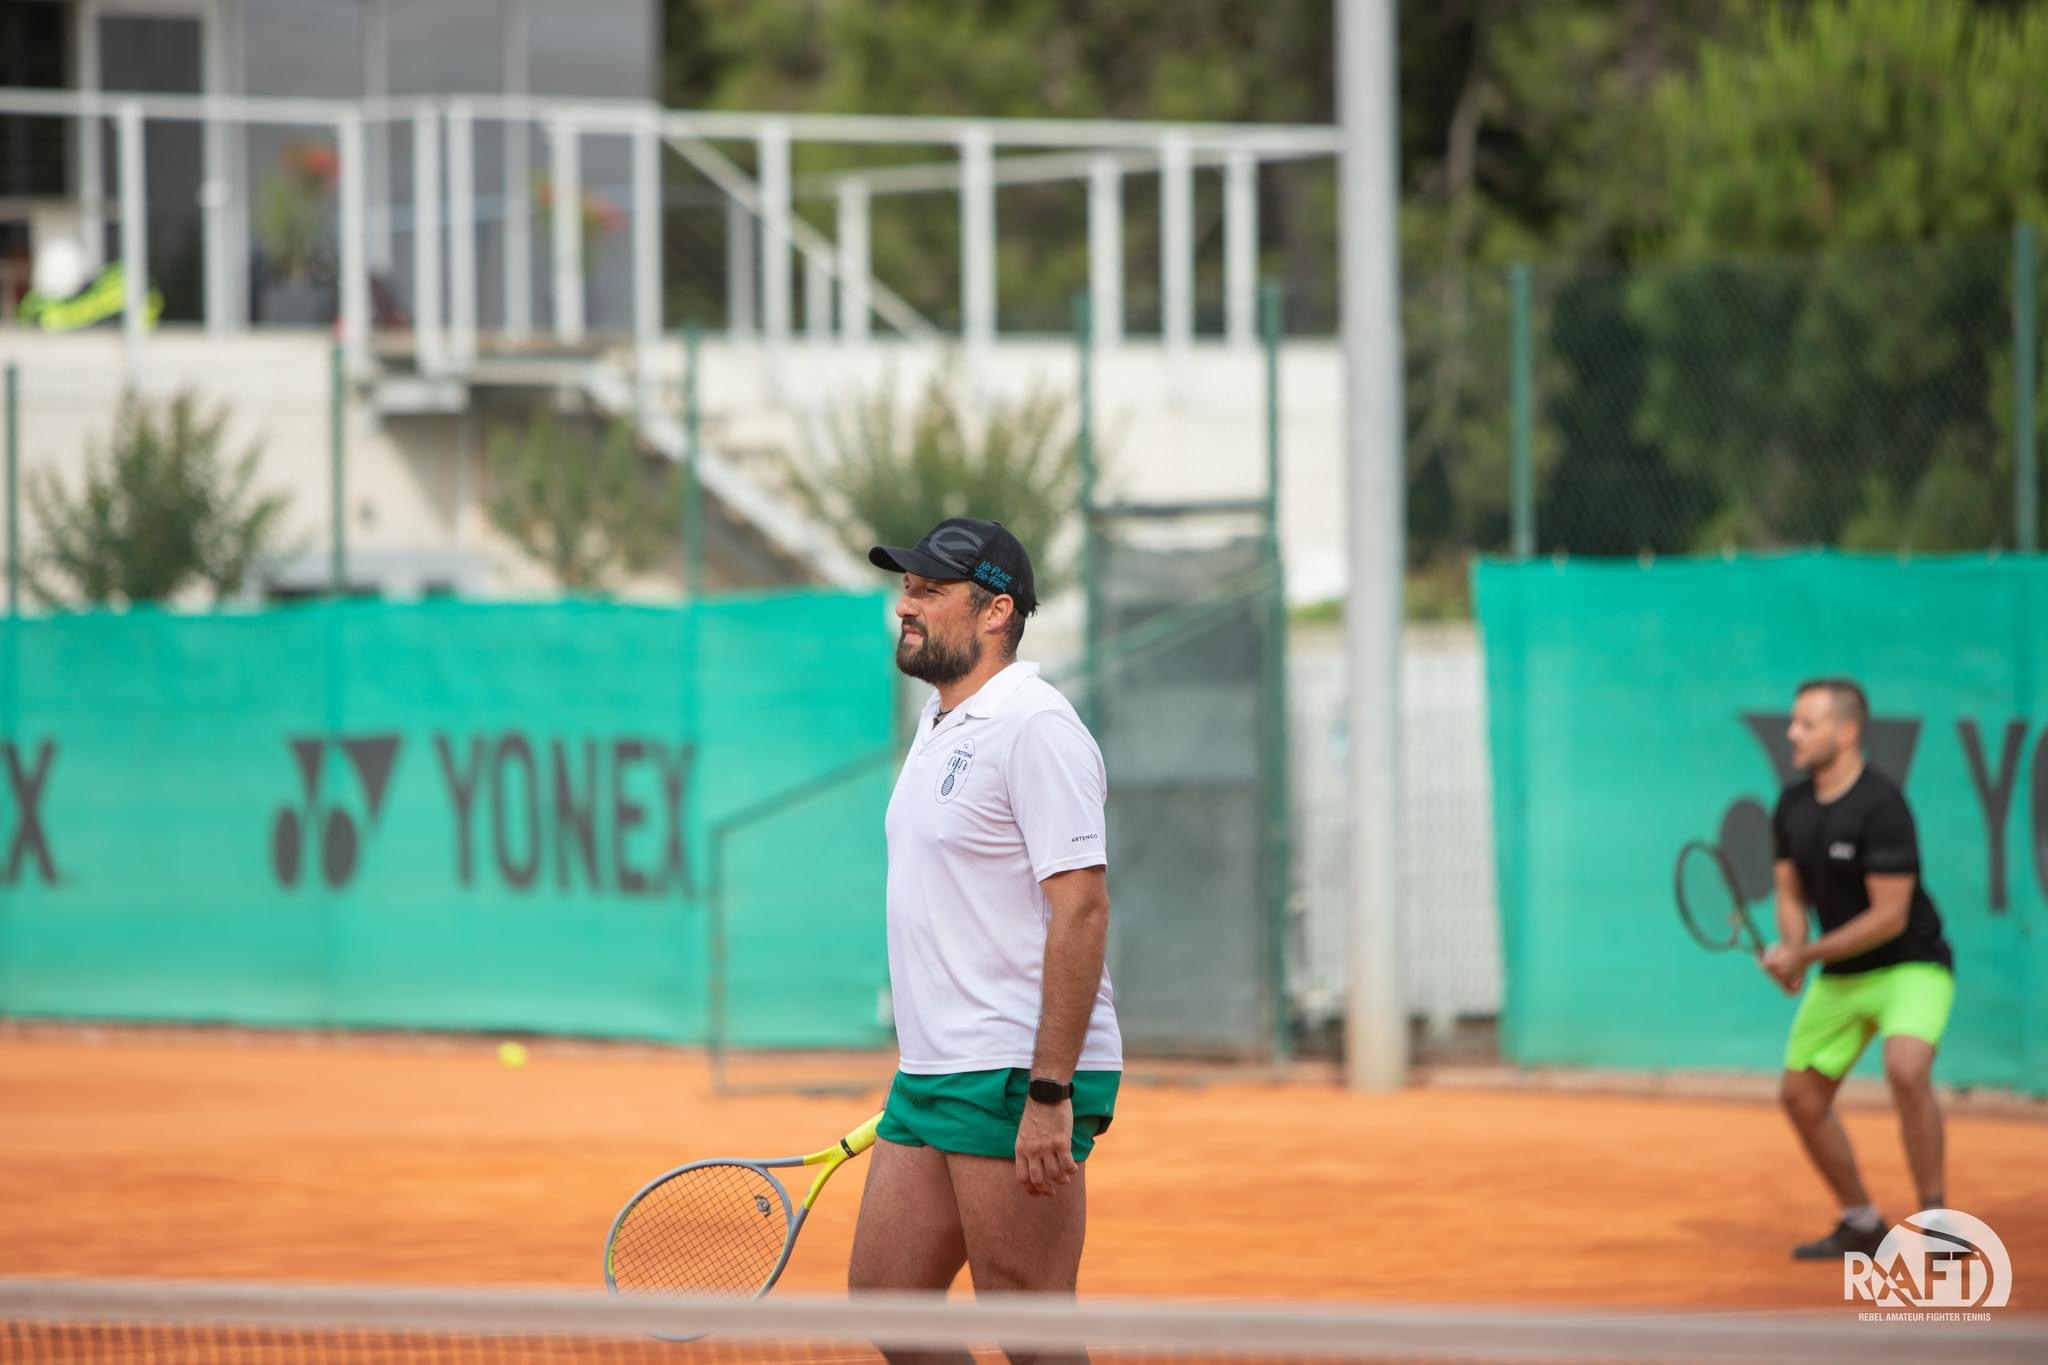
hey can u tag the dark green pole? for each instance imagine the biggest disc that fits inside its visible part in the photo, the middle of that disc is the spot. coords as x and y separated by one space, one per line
693 499
337 398
1279 851
1084 441
1523 417
13 489
2026 304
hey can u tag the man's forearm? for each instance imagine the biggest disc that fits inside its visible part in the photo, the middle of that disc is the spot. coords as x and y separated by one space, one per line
1869 929
1075 941
1791 922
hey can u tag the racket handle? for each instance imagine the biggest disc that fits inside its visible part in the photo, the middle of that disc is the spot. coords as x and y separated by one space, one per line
861 1138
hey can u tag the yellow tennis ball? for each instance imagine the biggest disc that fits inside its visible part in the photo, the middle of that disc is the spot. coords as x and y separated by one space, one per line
512 1054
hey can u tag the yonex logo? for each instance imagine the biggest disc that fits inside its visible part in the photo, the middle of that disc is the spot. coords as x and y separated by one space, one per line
26 787
611 815
339 840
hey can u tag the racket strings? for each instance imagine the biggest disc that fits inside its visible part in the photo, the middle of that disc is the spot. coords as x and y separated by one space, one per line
1708 898
708 1230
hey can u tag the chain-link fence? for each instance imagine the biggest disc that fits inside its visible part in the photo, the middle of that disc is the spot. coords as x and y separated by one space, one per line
1868 400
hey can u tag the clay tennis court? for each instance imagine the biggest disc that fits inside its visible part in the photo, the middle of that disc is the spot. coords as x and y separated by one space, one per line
296 1157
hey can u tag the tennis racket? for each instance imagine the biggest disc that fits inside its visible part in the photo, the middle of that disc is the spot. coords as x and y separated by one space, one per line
1710 900
718 1227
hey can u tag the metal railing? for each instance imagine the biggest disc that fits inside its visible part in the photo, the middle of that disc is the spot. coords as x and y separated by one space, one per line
445 276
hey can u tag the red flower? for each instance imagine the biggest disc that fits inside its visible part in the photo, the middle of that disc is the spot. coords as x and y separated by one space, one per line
315 160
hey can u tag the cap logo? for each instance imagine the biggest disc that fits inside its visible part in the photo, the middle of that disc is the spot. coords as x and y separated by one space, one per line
992 578
955 541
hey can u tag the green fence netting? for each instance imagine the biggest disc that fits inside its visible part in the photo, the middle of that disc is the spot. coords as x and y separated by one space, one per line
440 815
1633 707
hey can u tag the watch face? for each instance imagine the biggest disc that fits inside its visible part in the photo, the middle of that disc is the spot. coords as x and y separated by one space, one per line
1050 1092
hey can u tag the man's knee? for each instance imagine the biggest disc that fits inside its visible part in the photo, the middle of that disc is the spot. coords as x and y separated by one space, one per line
997 1272
1806 1097
1910 1076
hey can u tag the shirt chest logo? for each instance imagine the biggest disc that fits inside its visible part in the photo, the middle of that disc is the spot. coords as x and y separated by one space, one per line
1841 851
953 776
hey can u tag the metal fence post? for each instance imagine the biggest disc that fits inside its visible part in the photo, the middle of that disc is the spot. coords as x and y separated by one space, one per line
693 500
2026 305
1084 442
13 492
337 403
1278 844
1523 418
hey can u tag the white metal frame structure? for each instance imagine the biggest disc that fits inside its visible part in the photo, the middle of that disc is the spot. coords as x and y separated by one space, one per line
988 153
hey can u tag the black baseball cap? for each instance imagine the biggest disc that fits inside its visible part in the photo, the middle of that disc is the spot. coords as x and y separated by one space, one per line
979 551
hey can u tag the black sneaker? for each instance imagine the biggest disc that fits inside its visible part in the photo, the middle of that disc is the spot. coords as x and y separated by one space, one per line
1846 1237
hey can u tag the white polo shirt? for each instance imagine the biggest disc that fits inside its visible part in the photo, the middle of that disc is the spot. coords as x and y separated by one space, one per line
1006 791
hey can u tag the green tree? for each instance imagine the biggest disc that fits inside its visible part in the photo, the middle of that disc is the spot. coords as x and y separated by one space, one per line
1524 141
890 475
1172 59
162 509
1860 396
583 506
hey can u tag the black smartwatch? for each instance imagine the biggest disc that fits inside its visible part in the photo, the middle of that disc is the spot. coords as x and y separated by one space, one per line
1050 1092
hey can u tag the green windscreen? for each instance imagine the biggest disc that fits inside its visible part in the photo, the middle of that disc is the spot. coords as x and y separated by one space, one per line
1633 708
440 815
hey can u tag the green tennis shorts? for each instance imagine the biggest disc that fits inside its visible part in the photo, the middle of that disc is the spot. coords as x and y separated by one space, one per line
1838 1014
976 1113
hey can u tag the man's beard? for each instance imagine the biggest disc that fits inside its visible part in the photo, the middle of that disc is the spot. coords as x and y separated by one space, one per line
938 663
1819 756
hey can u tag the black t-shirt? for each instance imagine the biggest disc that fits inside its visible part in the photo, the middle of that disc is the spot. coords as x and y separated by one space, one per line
1865 831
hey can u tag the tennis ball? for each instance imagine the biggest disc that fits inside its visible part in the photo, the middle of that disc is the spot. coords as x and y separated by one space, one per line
512 1054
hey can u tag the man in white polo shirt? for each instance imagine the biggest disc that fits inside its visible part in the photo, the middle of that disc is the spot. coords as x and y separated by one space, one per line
998 916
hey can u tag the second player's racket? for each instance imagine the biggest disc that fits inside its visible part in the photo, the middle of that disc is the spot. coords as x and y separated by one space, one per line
1710 900
719 1227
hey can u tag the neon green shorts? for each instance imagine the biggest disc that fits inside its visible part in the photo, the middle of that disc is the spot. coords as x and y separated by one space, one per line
1838 1014
976 1113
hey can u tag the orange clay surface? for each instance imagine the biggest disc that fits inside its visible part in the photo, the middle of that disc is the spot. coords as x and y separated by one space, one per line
428 1161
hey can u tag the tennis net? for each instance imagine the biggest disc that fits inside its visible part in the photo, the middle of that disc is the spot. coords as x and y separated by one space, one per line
68 1322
